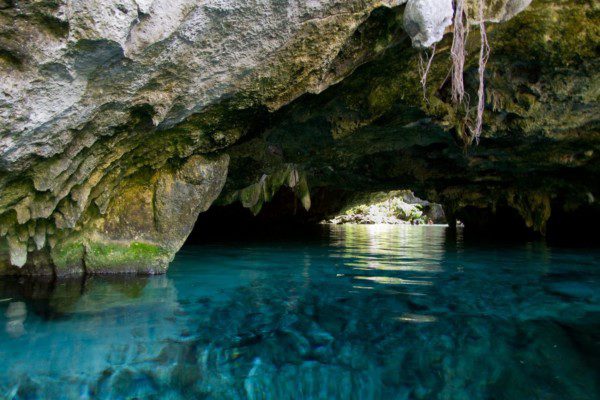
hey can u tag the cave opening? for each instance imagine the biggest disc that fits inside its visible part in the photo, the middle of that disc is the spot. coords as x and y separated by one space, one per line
284 218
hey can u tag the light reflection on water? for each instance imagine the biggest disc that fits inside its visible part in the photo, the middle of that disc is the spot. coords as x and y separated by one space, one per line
368 312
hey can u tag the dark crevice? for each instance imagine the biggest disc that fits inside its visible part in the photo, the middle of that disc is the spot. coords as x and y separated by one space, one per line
281 218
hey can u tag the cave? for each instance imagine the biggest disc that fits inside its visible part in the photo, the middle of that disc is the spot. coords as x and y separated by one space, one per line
345 108
324 199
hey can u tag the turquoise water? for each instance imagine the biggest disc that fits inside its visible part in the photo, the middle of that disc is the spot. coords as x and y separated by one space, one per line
363 312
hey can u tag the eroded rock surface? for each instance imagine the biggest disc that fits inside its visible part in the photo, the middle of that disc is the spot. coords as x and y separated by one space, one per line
94 92
118 118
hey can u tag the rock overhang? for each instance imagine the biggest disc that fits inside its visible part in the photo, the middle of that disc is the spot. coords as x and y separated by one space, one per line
145 102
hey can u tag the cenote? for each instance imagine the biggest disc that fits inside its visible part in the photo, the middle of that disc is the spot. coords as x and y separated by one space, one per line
355 312
299 199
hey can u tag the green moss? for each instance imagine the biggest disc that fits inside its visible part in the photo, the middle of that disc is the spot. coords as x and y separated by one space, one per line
68 256
132 257
54 25
79 255
552 33
382 98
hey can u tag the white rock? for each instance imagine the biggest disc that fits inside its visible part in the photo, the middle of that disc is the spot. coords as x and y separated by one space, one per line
426 20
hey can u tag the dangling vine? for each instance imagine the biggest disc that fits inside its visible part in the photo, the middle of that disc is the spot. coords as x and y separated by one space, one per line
458 55
424 67
484 54
458 51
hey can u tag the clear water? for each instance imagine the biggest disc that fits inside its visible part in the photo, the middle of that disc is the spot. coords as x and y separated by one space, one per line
367 312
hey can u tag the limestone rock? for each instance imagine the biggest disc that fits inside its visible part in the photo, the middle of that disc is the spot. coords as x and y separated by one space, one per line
115 116
144 228
94 92
180 197
506 9
18 251
426 20
96 58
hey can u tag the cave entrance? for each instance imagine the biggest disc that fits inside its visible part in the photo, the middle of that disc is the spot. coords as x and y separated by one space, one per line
284 217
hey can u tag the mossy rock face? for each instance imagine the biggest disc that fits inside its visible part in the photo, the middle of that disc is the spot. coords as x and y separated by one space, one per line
68 257
142 229
138 231
101 108
131 257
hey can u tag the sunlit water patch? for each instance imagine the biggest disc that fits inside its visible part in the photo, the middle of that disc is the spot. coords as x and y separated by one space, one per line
367 312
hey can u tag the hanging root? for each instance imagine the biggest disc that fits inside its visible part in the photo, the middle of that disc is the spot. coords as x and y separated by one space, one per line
458 52
484 54
424 68
467 127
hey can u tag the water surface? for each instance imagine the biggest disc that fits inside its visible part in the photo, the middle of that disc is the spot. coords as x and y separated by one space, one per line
363 312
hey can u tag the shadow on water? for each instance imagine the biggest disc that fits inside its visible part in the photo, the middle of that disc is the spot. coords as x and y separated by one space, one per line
52 298
357 312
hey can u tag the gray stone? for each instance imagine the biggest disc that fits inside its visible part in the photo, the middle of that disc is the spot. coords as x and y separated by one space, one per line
179 198
512 8
426 20
175 56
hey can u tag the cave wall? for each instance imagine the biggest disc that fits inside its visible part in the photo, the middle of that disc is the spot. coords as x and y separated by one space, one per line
376 130
96 95
319 97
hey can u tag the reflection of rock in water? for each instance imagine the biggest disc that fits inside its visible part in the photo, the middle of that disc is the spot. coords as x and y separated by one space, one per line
50 298
15 317
98 324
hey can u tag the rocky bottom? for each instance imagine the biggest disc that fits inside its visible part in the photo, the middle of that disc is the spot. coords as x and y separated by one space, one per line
365 312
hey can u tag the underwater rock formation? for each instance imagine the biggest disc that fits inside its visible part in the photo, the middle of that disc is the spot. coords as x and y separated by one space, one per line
119 118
